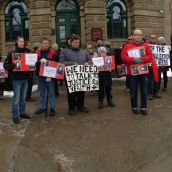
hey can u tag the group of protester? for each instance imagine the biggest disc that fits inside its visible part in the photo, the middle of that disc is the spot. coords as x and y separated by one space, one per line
72 54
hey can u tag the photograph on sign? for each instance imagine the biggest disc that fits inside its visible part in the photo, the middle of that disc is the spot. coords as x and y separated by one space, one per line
122 70
2 71
24 61
52 69
137 52
106 63
17 59
139 69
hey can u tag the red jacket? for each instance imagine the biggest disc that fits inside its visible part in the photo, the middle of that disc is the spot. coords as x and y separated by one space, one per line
146 59
130 60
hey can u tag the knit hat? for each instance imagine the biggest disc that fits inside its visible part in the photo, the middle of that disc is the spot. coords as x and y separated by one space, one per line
101 49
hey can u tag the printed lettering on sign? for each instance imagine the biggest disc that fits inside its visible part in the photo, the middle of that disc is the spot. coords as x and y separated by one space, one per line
82 78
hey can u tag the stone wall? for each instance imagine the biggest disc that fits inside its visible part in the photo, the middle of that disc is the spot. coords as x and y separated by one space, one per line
147 16
167 20
40 20
1 27
0 38
144 14
95 17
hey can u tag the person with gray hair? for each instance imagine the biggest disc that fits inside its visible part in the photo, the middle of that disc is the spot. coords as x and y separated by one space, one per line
105 82
74 55
137 80
163 69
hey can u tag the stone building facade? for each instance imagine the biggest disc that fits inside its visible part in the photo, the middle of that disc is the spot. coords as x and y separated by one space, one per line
152 16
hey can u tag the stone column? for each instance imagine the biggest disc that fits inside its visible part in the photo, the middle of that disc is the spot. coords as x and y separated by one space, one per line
2 32
40 20
53 24
167 20
147 16
95 17
82 21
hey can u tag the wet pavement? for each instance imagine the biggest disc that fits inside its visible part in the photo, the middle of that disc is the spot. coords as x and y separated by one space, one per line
108 140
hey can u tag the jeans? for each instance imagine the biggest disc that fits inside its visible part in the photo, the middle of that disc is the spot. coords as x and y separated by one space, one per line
19 98
142 82
43 86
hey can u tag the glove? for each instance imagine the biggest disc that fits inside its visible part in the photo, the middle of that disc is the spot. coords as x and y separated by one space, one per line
43 61
138 60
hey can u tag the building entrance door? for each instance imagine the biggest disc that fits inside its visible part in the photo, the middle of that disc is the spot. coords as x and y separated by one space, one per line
67 21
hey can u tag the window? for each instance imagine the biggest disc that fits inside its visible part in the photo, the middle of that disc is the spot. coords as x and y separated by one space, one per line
66 5
16 21
116 19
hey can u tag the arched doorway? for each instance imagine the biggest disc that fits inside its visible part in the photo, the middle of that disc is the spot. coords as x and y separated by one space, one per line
116 19
16 20
67 20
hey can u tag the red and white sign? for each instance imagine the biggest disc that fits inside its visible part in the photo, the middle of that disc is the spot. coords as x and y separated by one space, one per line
122 70
3 73
52 70
104 63
139 69
24 61
137 52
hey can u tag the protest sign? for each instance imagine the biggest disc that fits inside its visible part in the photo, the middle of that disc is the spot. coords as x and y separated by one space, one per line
52 70
161 54
104 63
136 52
3 73
82 78
24 61
139 69
122 70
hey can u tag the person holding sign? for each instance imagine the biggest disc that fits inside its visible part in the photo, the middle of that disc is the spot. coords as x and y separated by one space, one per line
153 85
44 83
55 47
130 57
74 55
105 82
91 51
163 69
19 83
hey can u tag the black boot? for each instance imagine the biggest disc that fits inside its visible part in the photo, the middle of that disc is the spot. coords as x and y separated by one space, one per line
100 106
110 102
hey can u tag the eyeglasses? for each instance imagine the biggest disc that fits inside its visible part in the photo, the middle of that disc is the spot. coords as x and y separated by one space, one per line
153 37
137 34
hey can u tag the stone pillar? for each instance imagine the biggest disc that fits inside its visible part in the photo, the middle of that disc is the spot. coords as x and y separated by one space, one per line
82 21
53 24
40 20
147 16
95 17
167 20
2 32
